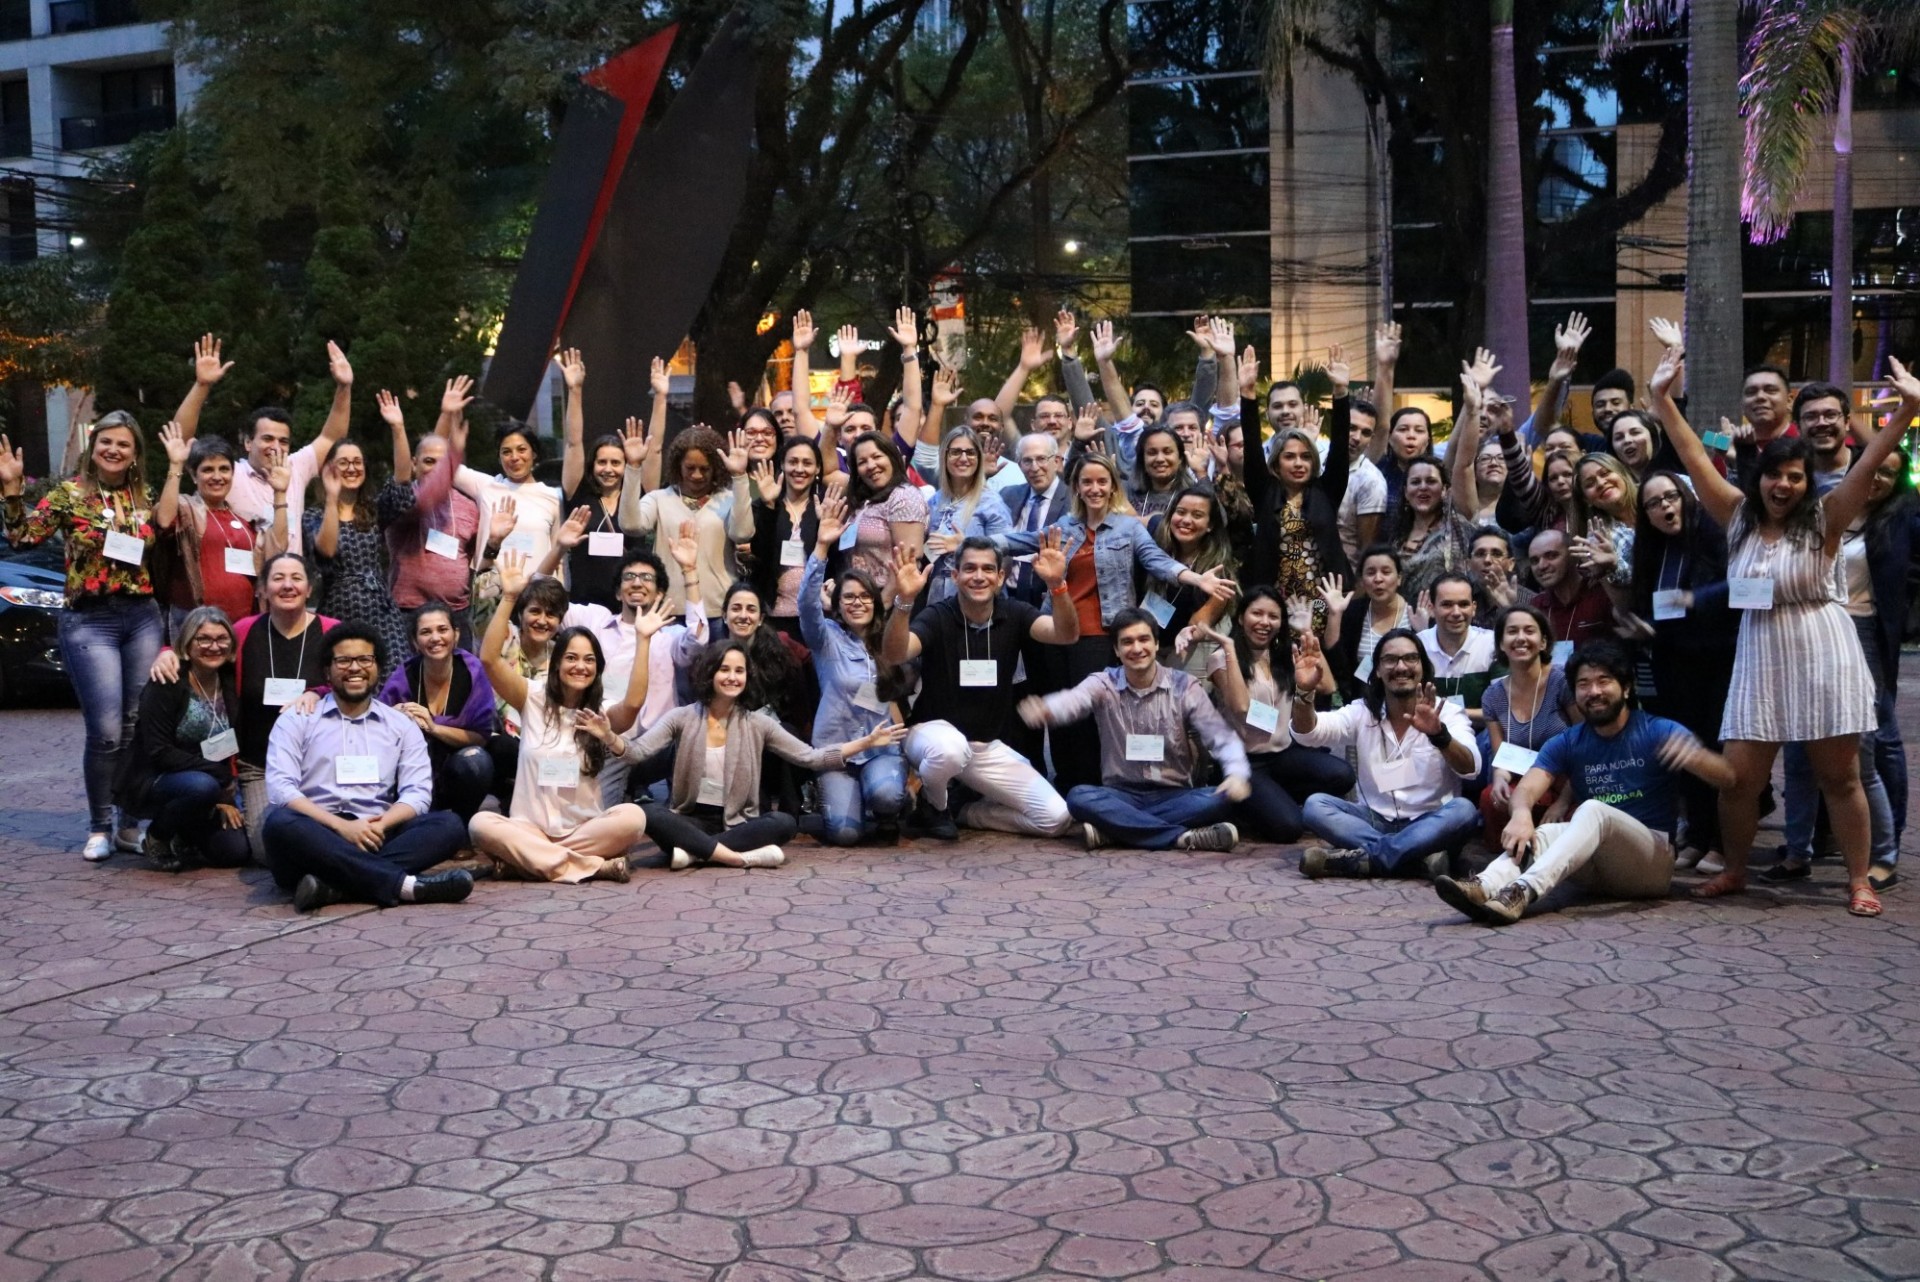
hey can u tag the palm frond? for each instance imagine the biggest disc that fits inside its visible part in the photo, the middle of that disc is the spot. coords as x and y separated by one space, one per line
1626 19
1289 22
1896 27
1786 91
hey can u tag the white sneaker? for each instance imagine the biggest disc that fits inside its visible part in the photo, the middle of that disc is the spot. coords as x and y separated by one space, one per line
680 860
1711 863
1689 857
99 848
763 857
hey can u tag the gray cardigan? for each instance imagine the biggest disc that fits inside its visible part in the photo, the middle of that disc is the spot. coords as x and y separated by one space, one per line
748 734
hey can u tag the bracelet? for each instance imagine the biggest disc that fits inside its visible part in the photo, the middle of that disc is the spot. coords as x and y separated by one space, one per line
900 604
1062 590
1441 741
910 356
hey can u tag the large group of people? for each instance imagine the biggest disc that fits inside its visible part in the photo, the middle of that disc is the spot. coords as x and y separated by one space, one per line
1145 622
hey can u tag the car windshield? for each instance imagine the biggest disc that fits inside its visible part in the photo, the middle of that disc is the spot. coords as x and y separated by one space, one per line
48 555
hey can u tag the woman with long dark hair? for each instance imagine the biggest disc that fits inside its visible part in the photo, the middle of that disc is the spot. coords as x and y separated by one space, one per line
1160 472
1431 537
1523 709
786 515
445 691
1800 675
433 532
1194 533
887 509
1361 618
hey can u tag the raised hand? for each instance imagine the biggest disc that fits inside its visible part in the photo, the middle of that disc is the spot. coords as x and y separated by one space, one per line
1568 339
1902 380
1666 372
279 475
1309 663
1220 337
833 519
207 368
847 339
1105 344
909 575
1426 709
1338 370
177 445
946 388
574 528
1740 433
1218 587
513 572
767 481
658 377
941 544
737 397
1249 370
906 329
1087 426
656 616
595 723
1666 333
390 409
685 549
1483 370
1202 335
1300 613
838 401
1423 612
1310 419
1217 448
634 443
803 330
501 523
1033 350
337 365
1065 331
573 370
457 395
1386 345
736 455
13 468
330 482
1331 591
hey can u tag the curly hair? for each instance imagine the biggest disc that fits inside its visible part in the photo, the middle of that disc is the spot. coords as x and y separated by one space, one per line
708 442
1803 524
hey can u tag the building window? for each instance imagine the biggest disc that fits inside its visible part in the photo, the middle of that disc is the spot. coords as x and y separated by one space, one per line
16 125
18 226
133 101
90 15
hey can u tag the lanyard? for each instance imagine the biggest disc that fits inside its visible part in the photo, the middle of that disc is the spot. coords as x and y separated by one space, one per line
216 704
300 666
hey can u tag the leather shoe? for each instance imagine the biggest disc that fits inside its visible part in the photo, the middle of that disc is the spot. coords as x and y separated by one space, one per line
448 887
312 894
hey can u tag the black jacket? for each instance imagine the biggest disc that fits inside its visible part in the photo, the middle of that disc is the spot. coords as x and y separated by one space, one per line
156 750
1320 505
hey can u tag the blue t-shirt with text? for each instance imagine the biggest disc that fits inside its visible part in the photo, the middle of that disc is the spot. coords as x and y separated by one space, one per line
1624 772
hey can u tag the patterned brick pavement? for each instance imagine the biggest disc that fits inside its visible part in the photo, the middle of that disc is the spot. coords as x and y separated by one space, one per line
1001 1060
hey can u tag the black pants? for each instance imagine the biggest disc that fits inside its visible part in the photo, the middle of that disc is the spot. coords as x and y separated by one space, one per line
462 777
1076 748
1693 686
1281 782
705 827
297 846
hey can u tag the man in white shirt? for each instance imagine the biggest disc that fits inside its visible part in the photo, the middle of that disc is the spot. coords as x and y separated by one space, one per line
269 437
1413 752
1366 498
1459 651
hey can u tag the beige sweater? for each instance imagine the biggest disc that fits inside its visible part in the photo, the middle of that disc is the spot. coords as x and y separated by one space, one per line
748 734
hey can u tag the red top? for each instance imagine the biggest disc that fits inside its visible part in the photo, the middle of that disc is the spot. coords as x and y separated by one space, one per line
220 587
1083 588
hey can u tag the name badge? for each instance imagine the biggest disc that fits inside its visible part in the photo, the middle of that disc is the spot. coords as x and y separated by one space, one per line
1457 700
356 769
849 536
979 672
712 793
238 561
1717 440
1263 716
1395 773
1670 603
1750 594
124 547
1363 670
1159 607
1562 651
557 770
280 691
869 698
792 554
440 543
606 543
1146 747
521 541
1513 759
220 746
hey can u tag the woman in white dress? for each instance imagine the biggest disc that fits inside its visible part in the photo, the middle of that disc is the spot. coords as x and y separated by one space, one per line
1799 675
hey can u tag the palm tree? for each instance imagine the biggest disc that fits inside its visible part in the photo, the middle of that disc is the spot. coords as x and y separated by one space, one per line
1506 218
1800 63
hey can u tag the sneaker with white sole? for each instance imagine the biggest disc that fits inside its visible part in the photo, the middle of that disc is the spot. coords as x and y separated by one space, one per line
1711 864
1094 838
99 848
1211 837
127 837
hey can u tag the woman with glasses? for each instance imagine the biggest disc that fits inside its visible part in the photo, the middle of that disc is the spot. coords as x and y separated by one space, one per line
445 691
179 771
962 508
865 798
785 518
345 540
111 627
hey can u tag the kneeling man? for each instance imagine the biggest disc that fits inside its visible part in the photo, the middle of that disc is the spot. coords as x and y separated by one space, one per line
1620 763
1149 716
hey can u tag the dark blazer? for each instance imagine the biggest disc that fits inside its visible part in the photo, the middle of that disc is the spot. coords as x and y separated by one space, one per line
1320 505
772 527
1016 496
156 750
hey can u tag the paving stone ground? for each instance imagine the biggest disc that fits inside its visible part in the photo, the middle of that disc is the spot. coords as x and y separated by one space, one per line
1000 1060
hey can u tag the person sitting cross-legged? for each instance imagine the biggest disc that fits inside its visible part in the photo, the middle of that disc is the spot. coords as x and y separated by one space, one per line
1413 752
1149 716
350 788
1620 847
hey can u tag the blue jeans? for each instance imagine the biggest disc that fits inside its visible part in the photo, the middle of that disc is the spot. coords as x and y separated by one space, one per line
297 846
1803 803
1394 844
107 644
875 789
1890 758
1144 816
182 804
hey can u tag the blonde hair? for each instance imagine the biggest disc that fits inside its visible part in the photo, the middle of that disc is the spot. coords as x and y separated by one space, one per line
136 470
1116 503
1582 514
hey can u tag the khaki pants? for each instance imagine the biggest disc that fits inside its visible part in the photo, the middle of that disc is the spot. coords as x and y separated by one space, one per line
1606 851
572 856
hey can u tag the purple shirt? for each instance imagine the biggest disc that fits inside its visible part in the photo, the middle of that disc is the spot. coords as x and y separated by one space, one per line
302 760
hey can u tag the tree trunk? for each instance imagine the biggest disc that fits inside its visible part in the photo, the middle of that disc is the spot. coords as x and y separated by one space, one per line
1714 320
1506 220
1840 319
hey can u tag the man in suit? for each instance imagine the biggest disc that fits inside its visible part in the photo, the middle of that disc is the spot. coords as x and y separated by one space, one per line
1035 505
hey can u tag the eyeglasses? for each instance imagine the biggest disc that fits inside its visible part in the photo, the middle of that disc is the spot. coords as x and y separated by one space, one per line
1670 499
355 661
212 643
639 578
963 453
1823 416
855 598
1399 661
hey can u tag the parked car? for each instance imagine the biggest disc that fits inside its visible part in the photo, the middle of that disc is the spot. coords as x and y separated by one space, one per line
32 594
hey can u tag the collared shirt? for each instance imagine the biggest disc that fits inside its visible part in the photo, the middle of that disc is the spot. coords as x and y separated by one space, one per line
1174 710
1474 655
303 760
1588 617
619 640
1433 781
251 498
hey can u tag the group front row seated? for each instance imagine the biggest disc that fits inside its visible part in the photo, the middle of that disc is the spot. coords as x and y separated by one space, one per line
370 783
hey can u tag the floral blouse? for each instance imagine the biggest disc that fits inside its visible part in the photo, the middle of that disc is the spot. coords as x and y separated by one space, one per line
87 517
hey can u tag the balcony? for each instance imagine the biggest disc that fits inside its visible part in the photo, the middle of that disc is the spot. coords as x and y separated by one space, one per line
110 129
89 15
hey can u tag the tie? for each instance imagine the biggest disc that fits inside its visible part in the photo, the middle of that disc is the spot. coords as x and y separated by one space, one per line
1036 508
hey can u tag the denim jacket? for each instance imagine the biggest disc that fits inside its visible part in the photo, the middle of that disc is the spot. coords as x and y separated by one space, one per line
989 520
843 665
1120 543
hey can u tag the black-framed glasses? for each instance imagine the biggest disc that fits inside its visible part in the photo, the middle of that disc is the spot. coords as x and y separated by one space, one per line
639 578
355 661
1670 499
1399 661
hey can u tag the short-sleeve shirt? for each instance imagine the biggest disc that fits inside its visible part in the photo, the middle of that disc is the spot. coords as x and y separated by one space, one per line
1624 772
873 546
1556 696
1366 496
978 712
